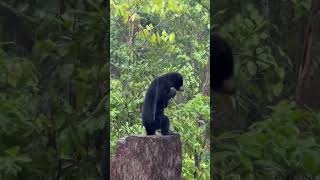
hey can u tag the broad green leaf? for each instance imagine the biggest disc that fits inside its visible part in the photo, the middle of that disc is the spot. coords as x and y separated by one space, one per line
153 39
310 162
172 37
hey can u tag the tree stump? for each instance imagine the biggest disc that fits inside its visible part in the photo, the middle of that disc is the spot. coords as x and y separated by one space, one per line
147 158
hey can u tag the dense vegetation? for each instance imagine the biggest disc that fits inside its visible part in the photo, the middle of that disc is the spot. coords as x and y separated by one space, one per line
150 38
280 140
53 75
277 140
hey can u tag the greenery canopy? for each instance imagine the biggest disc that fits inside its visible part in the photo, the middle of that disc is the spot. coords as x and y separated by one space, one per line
59 82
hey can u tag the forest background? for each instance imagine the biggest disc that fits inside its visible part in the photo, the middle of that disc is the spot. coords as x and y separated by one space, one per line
54 69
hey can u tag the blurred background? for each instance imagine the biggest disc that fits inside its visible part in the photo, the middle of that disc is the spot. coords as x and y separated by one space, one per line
53 67
269 129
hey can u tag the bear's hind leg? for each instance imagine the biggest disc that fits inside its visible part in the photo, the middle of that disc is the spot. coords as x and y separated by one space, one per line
165 125
150 130
151 127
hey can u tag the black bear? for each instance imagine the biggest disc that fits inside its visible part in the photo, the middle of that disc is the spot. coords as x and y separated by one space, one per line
161 90
221 65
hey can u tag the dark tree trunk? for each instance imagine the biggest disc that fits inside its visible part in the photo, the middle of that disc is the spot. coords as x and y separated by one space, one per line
15 30
308 87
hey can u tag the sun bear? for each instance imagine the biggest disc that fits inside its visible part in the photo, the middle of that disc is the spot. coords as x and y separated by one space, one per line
161 90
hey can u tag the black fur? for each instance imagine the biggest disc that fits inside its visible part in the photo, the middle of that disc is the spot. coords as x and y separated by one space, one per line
153 120
221 65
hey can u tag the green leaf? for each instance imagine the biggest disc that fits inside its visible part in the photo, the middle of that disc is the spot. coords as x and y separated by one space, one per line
164 33
310 162
252 68
13 151
246 162
172 6
172 37
158 5
277 89
14 73
153 39
158 38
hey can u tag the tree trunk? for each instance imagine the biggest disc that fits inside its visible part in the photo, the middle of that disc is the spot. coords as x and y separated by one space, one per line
16 30
308 87
206 84
147 158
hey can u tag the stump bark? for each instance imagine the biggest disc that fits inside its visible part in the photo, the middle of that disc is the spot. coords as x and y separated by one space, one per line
147 158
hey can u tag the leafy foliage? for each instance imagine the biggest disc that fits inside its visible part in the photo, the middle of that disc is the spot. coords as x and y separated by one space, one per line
284 145
282 141
260 67
193 128
149 38
52 99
